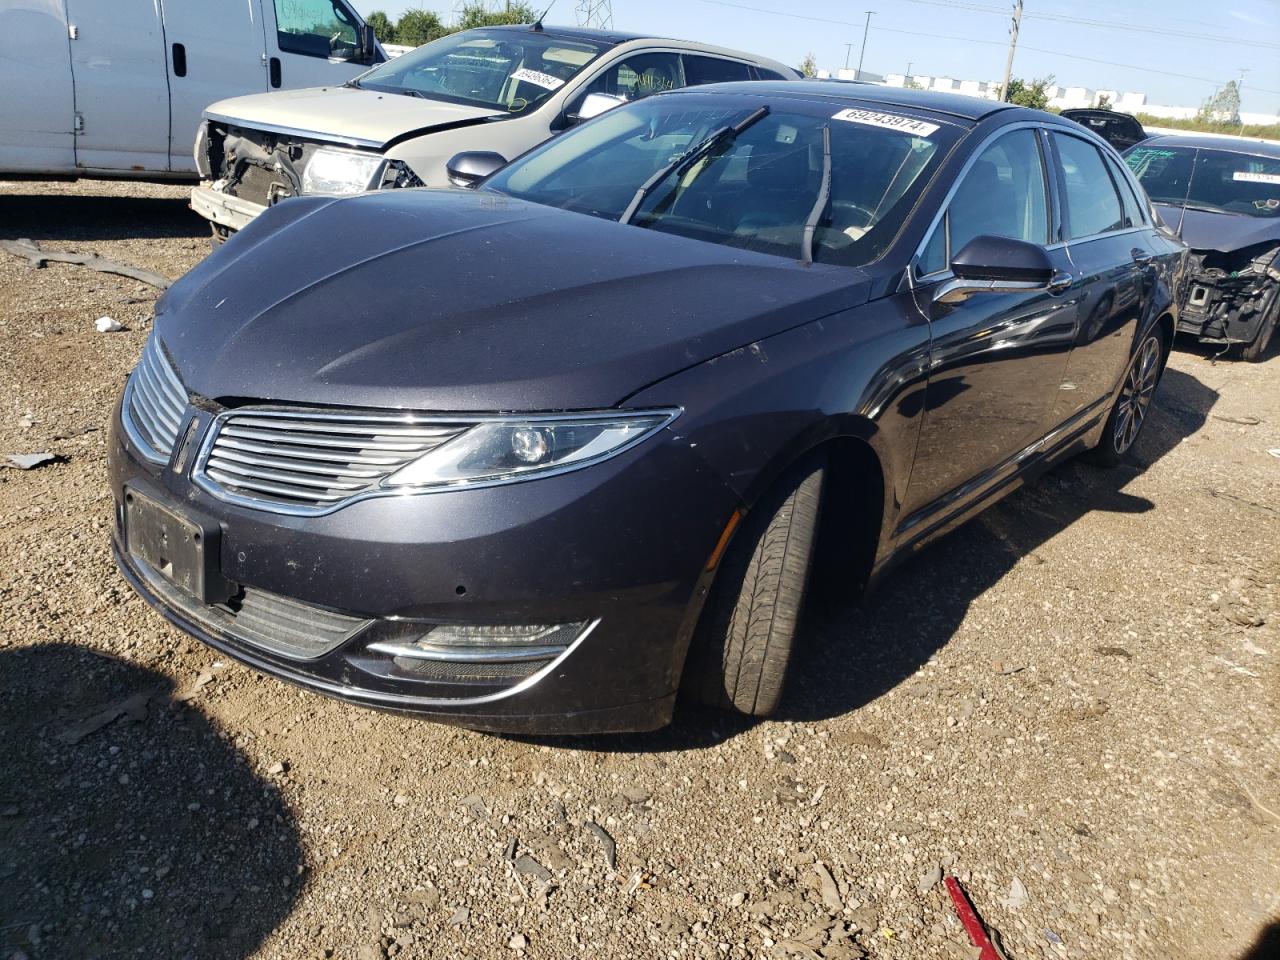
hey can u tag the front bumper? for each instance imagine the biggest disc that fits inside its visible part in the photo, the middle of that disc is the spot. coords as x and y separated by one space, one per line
222 208
622 545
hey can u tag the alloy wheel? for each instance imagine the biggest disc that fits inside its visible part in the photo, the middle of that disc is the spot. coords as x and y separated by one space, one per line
1135 397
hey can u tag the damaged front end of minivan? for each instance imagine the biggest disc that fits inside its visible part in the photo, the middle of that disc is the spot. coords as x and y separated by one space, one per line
245 170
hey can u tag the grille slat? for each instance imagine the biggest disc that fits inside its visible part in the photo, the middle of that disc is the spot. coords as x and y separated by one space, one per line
312 461
155 403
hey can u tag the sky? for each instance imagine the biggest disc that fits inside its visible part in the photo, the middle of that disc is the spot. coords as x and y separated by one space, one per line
1176 51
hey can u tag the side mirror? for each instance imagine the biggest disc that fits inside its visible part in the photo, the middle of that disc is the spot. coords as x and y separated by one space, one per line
468 169
593 105
997 265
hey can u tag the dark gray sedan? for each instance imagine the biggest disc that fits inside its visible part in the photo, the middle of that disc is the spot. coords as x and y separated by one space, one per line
533 456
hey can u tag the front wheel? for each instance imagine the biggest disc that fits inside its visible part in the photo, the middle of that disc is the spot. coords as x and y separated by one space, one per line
1255 351
748 628
1134 402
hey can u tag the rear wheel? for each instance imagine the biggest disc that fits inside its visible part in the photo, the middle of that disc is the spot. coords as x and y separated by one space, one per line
747 632
1130 411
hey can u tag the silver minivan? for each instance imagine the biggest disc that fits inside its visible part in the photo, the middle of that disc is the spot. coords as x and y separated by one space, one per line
493 93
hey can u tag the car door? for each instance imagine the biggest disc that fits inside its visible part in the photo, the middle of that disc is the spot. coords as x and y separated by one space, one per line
996 359
121 89
1112 263
215 52
36 128
312 43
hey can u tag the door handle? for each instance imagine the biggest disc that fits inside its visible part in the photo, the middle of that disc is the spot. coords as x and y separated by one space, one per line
1060 282
179 60
275 72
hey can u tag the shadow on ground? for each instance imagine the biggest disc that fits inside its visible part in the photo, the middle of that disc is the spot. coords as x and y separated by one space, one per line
848 655
1267 946
44 216
129 826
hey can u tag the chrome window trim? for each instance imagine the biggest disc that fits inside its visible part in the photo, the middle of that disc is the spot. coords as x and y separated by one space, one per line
1050 170
955 185
409 418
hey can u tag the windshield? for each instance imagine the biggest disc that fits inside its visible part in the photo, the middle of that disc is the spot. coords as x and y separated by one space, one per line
756 189
506 70
1217 180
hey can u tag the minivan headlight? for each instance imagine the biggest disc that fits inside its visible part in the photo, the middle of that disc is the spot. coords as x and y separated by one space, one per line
506 450
339 172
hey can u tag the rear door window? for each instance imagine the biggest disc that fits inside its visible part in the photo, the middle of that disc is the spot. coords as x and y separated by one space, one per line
700 70
1092 205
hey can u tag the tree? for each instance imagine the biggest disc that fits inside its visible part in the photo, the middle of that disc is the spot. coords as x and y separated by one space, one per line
1223 107
1103 102
417 27
1034 94
383 29
911 83
809 65
479 15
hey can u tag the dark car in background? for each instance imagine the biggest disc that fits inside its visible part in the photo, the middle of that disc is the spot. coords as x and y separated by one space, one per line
1121 130
528 457
1222 196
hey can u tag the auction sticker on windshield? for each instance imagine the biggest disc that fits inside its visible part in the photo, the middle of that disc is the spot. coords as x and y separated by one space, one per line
889 121
1249 177
538 78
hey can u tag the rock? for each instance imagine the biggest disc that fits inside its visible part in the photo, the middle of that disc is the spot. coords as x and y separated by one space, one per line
474 805
511 850
786 757
929 879
430 899
1017 895
28 461
532 868
276 768
108 325
400 800
904 828
860 738
1113 652
635 795
737 899
370 951
518 942
606 841
459 917
827 887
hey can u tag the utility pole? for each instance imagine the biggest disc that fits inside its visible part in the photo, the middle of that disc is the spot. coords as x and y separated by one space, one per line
1013 45
865 30
848 49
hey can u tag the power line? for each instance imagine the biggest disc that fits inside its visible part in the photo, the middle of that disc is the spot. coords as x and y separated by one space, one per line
954 38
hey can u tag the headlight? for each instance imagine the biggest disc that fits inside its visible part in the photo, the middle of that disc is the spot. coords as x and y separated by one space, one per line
510 449
332 171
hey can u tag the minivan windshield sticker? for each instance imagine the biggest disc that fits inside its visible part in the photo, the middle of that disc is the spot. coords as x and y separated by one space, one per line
537 78
889 121
1249 177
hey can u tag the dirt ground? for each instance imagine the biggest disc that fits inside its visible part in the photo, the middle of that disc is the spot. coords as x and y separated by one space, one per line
1071 704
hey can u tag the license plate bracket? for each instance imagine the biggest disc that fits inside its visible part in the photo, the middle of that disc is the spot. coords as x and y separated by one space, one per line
175 545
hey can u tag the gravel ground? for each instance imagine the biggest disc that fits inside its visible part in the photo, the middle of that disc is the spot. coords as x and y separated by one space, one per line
1071 704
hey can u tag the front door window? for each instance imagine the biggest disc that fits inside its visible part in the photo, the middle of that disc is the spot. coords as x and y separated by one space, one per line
316 28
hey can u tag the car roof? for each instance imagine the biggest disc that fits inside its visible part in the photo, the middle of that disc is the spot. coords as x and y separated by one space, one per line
950 104
1262 148
613 37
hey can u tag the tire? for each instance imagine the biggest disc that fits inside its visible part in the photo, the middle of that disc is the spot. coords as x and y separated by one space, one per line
219 236
1129 414
748 629
1253 352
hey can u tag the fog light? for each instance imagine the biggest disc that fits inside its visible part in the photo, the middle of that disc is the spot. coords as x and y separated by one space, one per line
476 643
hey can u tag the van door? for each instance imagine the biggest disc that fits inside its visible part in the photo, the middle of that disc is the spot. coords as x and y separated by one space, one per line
35 128
214 51
316 43
121 91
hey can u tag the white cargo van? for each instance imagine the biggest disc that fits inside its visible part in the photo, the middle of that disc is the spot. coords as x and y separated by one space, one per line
116 87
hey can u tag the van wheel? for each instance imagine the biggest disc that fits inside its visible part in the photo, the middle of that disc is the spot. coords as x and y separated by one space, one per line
220 236
745 638
1258 349
1129 413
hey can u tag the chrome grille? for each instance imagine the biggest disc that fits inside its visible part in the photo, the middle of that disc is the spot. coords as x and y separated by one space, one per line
154 404
312 462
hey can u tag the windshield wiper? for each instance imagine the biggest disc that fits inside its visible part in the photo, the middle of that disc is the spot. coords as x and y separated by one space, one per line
687 159
822 203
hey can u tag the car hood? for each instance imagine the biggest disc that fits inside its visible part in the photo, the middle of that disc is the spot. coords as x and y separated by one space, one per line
1225 232
453 300
346 114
